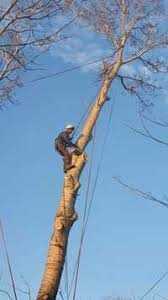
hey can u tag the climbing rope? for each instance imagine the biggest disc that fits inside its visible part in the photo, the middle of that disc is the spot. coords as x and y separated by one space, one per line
66 256
77 67
85 210
100 162
66 277
88 204
82 118
84 216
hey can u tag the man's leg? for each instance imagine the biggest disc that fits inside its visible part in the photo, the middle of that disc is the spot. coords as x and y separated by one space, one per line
67 157
67 160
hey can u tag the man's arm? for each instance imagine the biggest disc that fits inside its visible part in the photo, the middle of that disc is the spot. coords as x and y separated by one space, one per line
67 140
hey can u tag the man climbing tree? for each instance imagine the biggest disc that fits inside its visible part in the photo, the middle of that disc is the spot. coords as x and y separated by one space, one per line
64 145
135 30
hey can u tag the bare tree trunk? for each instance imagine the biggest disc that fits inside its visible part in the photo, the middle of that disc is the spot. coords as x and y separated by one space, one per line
66 215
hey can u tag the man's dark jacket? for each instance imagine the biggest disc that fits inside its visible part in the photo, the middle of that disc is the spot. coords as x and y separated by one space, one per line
64 140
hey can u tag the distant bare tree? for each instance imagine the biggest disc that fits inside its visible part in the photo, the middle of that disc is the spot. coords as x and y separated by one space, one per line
26 31
136 31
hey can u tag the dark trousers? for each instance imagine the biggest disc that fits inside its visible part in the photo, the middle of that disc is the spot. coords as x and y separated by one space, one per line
67 157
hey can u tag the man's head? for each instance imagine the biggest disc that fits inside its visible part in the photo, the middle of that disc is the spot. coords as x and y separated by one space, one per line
69 128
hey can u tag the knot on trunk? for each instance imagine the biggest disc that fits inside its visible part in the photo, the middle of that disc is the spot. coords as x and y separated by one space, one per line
65 219
68 182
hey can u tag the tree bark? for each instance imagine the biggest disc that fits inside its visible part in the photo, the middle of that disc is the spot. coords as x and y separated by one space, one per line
66 215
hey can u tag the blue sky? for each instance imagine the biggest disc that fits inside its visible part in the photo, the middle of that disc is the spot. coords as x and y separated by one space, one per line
126 243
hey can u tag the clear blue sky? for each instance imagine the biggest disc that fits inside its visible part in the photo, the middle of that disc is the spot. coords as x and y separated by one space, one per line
126 243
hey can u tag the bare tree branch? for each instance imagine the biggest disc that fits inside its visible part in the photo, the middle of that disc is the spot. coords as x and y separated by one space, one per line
143 51
148 135
156 122
140 193
28 289
6 293
26 29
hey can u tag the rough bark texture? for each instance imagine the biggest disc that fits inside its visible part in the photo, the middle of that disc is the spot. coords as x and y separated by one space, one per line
66 215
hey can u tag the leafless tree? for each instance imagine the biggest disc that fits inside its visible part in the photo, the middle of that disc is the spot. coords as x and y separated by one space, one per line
136 32
144 64
27 29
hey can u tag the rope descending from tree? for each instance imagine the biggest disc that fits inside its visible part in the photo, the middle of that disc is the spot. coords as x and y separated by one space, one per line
88 204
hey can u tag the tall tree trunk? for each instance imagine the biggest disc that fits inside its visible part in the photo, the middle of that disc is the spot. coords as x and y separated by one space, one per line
66 215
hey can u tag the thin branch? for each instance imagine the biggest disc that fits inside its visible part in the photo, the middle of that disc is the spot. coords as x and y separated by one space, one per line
8 260
147 135
156 122
155 65
140 193
8 10
156 283
6 293
163 298
28 287
143 52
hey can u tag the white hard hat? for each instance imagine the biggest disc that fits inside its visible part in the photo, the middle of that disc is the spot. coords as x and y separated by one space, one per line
69 126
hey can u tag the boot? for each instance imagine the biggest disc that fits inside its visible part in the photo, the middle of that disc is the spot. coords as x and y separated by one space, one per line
68 167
